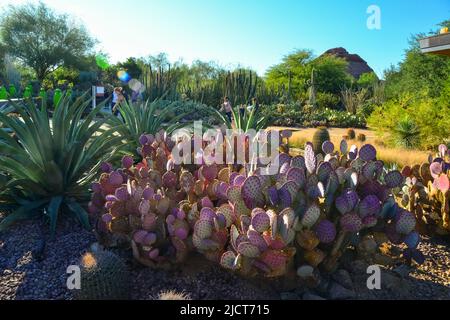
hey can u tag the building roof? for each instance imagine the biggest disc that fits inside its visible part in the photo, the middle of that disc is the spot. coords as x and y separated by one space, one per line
439 44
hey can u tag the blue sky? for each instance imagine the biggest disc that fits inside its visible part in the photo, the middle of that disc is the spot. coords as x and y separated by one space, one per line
252 33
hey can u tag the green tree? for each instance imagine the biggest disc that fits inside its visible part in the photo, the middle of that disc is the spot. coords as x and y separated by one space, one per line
131 66
43 39
367 80
295 69
292 73
418 72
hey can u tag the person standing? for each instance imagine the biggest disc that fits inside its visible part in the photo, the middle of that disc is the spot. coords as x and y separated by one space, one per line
117 99
226 106
242 110
255 105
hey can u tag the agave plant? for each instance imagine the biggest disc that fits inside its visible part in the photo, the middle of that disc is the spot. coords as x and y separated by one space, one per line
249 120
146 118
407 133
51 161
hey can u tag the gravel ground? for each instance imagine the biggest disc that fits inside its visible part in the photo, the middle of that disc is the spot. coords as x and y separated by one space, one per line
31 270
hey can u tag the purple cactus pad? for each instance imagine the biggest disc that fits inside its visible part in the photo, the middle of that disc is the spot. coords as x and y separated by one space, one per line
328 147
351 222
326 231
394 179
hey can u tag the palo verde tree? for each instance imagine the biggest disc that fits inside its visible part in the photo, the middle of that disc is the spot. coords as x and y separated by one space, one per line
43 39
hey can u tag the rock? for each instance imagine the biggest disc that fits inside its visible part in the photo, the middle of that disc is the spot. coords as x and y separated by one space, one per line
311 296
289 296
358 267
390 281
367 246
338 292
343 278
384 260
356 65
323 287
403 270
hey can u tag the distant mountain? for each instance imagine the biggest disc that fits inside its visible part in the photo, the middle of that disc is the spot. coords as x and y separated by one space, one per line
356 65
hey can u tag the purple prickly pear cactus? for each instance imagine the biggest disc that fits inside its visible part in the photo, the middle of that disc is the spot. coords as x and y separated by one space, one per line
368 153
369 206
298 162
412 240
311 216
272 192
435 169
394 179
328 147
343 147
351 222
325 231
127 162
251 192
405 222
310 159
324 171
285 197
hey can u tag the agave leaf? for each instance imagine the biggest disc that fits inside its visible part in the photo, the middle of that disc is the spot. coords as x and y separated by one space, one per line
53 212
80 213
22 213
54 156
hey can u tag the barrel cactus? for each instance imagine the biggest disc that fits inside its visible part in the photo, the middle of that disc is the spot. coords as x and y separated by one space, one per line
104 276
320 136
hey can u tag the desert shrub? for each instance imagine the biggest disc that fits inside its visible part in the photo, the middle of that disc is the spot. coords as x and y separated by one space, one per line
335 118
327 100
406 133
353 100
306 116
430 116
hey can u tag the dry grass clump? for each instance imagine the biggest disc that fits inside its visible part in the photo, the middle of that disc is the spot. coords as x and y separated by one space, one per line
173 295
399 156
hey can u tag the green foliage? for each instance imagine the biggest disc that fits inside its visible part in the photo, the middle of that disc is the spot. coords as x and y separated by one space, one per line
51 161
296 115
3 93
295 69
62 77
406 133
367 80
418 72
428 114
31 32
250 120
353 100
327 100
146 117
131 66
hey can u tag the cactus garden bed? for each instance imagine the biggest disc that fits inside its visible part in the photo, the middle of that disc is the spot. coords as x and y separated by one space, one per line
309 230
28 273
